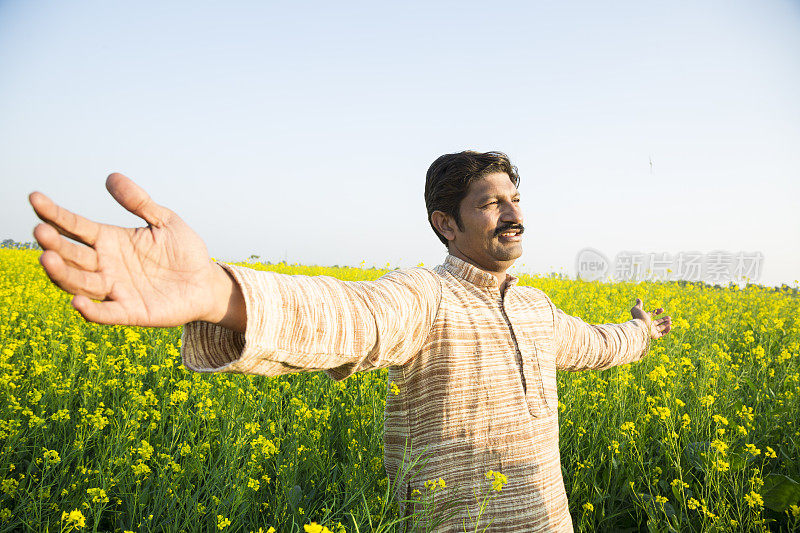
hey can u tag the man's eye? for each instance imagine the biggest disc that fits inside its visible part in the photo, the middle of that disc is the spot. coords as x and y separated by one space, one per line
490 203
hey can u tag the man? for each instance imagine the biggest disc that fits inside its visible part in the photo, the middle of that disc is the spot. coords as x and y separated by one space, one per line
472 355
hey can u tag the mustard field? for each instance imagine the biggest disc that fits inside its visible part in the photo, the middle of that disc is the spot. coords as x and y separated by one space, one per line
102 429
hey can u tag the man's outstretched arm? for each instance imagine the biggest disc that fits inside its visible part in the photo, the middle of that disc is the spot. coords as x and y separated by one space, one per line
308 323
582 346
236 319
159 275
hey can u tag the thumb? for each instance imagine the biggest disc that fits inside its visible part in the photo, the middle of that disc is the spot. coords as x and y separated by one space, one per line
136 200
638 303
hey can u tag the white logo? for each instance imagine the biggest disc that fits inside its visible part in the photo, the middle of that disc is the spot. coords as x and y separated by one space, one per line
591 265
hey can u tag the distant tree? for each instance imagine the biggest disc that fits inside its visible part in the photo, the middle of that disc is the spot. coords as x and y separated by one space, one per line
14 245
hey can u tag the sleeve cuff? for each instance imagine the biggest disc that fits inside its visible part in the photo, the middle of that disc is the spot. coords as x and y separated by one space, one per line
208 347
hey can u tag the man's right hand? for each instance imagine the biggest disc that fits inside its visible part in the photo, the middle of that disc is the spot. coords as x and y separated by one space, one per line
159 275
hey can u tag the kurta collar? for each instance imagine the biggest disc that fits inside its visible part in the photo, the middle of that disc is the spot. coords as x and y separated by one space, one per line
469 272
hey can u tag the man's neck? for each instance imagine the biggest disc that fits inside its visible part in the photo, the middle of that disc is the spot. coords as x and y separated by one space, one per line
498 271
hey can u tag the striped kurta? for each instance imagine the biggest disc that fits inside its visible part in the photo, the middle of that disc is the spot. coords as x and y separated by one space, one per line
475 368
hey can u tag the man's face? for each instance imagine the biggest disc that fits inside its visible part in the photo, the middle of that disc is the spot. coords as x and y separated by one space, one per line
492 222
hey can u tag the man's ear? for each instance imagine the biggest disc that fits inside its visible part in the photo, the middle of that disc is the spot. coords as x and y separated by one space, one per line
444 224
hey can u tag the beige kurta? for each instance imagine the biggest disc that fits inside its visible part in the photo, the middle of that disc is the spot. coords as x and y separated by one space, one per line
476 371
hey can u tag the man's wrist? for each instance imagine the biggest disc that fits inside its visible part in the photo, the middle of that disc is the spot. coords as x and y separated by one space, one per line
644 325
227 307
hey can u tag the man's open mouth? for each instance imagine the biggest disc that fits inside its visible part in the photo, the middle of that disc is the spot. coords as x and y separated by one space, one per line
511 234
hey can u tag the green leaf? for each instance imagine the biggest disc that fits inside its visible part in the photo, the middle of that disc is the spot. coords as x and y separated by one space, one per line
694 451
750 383
676 491
740 461
295 497
779 492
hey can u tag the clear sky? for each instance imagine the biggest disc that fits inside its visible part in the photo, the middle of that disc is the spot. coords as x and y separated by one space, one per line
302 131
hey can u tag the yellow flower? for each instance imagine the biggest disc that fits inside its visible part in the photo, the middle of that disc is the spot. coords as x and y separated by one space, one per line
498 481
140 469
771 453
588 507
9 486
51 457
754 499
752 449
98 495
145 450
222 522
433 484
74 519
722 466
678 483
720 446
394 388
719 419
707 400
313 527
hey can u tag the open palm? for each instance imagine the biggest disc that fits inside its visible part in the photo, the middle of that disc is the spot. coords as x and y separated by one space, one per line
658 327
157 275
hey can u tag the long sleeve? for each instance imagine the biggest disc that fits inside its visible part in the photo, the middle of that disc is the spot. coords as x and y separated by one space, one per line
582 346
308 323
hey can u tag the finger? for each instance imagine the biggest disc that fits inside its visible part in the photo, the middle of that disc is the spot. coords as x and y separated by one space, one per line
100 312
76 255
658 311
66 222
71 279
664 320
136 200
638 303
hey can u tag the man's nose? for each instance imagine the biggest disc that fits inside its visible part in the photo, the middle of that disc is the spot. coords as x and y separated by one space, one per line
512 213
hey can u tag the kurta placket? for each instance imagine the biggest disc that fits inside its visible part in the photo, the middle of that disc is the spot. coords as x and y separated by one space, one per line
527 353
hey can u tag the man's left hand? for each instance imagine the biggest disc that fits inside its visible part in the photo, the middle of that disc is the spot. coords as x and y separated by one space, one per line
659 327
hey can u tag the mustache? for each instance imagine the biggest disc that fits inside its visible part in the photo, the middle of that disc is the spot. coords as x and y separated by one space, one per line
517 227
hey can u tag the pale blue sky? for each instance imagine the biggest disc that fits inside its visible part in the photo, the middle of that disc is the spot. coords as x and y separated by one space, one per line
303 131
